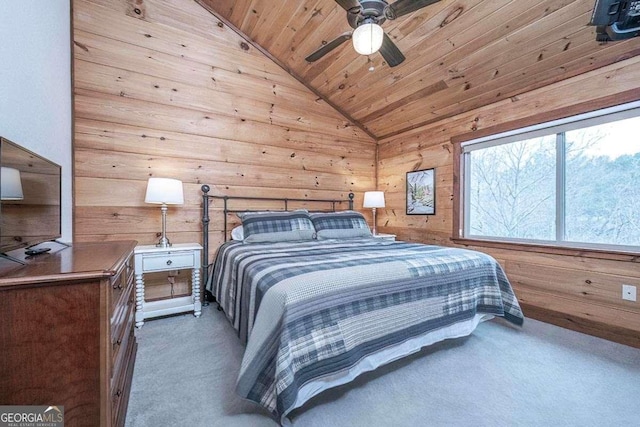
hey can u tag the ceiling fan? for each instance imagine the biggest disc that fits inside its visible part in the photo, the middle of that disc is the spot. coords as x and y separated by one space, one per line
365 17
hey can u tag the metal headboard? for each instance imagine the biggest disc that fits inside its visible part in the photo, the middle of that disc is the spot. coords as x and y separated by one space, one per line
226 211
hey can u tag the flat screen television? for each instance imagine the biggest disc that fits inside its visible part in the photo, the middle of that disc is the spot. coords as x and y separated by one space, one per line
30 194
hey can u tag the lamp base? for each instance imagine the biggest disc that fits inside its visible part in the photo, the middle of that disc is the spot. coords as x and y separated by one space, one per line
163 243
374 231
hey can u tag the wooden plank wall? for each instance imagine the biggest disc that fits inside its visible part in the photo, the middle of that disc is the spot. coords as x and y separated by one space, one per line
162 88
572 291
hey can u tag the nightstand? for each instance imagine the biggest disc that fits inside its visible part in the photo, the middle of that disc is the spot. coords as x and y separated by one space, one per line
182 256
383 236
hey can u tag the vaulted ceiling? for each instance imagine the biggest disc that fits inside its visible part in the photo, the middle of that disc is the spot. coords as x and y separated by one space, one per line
460 54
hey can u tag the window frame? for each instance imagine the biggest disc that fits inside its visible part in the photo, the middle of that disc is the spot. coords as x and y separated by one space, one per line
539 125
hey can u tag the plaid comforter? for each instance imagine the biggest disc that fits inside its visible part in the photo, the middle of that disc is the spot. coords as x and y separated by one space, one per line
312 310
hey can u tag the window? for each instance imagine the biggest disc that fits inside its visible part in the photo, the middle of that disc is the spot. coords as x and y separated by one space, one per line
574 182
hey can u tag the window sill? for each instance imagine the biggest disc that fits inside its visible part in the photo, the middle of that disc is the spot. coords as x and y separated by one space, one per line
552 249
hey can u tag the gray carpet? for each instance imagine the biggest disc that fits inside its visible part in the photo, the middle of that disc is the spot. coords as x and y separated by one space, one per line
540 375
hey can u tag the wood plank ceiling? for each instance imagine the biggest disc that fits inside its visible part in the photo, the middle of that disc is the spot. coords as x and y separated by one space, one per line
461 54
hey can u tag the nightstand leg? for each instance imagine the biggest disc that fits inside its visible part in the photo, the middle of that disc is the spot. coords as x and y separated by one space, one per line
139 300
195 286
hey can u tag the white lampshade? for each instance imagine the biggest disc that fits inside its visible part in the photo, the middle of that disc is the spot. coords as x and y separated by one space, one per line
10 184
367 38
164 191
373 199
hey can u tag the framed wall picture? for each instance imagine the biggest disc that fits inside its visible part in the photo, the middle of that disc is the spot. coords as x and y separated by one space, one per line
421 192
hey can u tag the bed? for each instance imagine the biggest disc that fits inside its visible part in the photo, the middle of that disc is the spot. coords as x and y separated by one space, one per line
316 313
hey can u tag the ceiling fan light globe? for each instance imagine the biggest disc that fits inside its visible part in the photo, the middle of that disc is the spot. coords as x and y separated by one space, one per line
367 38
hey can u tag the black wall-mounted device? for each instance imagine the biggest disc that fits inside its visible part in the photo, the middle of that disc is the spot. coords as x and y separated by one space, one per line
616 20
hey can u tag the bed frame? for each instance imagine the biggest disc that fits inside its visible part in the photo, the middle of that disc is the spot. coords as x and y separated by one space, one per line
227 209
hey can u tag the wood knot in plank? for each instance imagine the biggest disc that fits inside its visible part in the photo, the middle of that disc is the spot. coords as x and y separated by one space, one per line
135 8
81 46
452 16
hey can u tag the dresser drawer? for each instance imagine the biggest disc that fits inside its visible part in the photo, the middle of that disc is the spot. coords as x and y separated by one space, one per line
121 282
121 342
123 311
169 261
121 385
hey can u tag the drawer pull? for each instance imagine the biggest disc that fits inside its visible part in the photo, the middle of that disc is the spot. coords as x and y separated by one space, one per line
118 393
169 262
118 286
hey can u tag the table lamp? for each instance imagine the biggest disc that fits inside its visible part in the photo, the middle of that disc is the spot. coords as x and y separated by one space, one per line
373 200
164 191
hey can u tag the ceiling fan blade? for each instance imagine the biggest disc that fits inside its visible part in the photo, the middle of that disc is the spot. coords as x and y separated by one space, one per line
390 52
348 4
403 7
352 18
322 51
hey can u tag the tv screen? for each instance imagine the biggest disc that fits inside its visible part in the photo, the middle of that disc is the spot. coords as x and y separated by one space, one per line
30 198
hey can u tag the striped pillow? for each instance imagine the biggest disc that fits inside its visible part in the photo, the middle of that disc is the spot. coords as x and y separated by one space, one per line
340 225
277 226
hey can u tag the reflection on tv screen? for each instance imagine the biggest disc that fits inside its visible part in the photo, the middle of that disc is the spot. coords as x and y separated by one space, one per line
30 197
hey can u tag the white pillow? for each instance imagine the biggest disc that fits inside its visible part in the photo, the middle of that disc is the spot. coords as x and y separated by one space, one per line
237 233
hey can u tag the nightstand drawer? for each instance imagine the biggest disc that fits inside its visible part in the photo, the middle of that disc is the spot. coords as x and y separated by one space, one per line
171 261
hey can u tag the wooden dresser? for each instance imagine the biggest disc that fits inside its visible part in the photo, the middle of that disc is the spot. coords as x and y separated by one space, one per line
67 332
